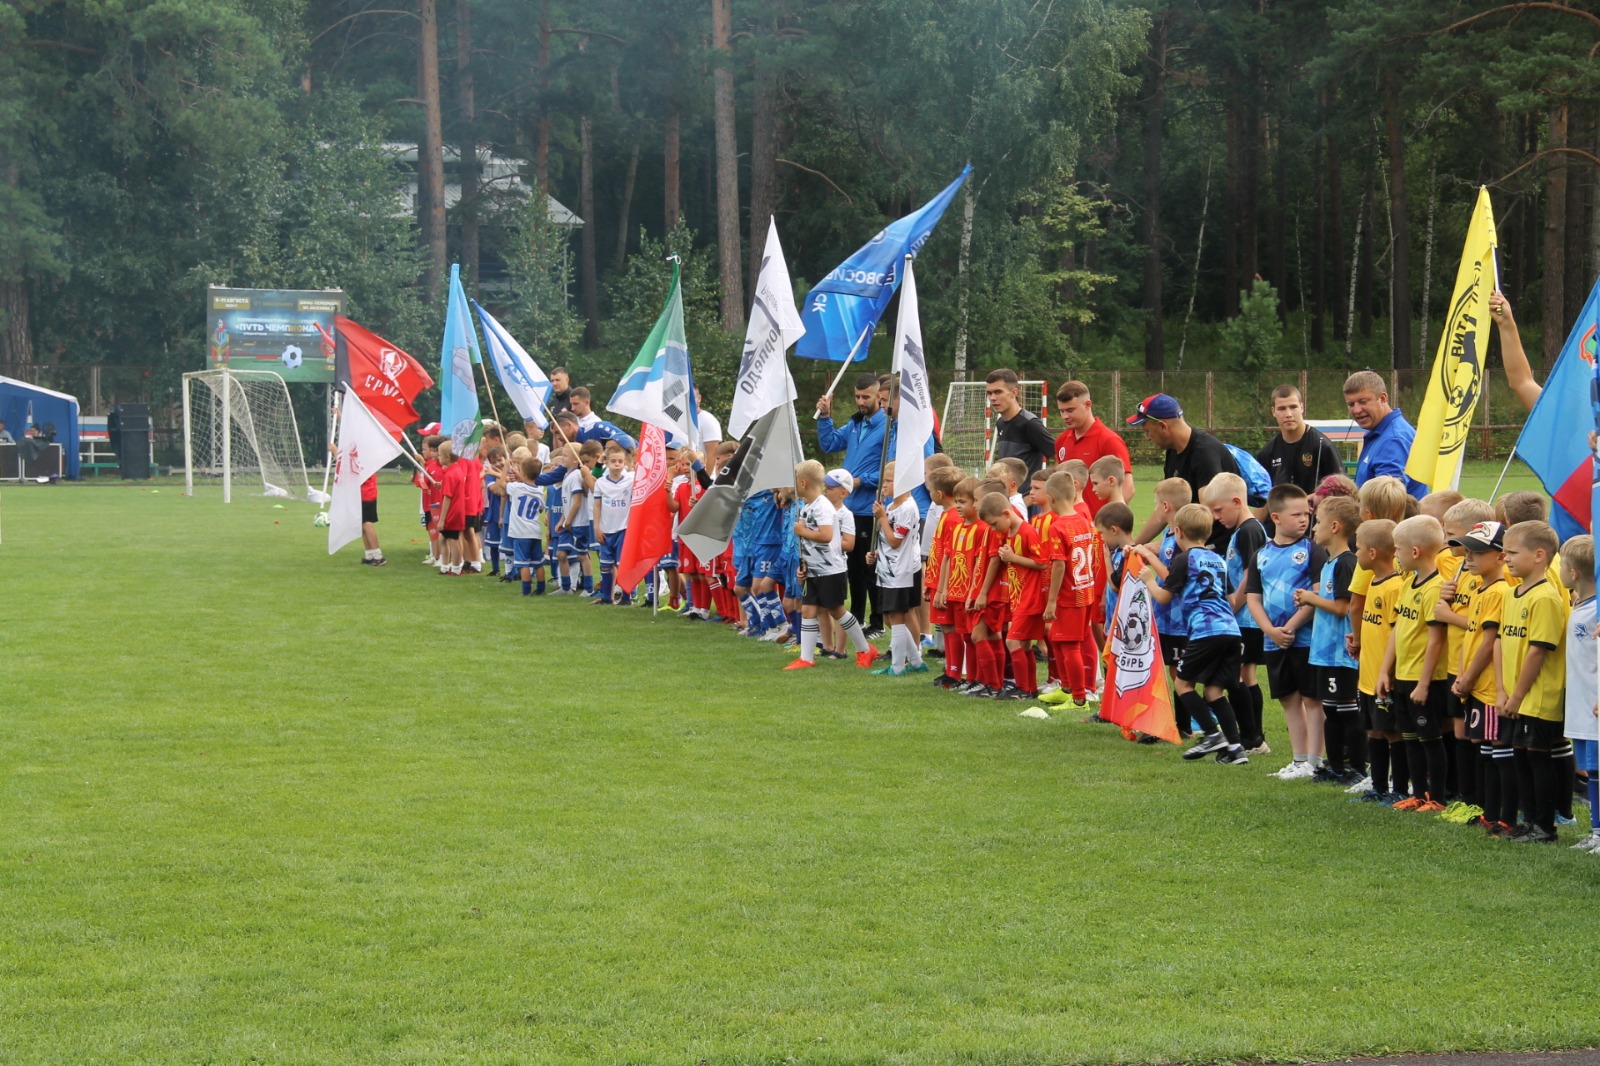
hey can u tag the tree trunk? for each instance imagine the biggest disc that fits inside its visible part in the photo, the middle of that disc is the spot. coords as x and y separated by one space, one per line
732 278
1154 131
1555 244
541 145
671 148
16 332
625 210
763 167
1319 229
1230 229
1579 132
1341 316
1278 238
469 169
1400 260
1249 191
430 153
1368 295
591 281
969 202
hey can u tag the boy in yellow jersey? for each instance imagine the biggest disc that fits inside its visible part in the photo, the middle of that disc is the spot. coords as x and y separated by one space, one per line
1533 672
1414 666
1482 584
1454 610
1386 755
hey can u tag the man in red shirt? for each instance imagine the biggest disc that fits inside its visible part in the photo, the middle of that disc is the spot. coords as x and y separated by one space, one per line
1087 438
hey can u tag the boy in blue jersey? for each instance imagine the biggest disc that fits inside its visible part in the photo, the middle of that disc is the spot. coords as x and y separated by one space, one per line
1171 495
1228 497
759 574
494 505
1197 583
788 569
1288 562
1343 731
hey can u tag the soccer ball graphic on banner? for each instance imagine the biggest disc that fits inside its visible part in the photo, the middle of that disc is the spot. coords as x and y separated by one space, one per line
321 520
292 357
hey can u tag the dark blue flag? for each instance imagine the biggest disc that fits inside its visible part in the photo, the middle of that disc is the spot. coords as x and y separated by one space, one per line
840 313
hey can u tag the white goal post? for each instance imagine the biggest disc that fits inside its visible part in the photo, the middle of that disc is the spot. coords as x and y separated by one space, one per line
240 423
968 424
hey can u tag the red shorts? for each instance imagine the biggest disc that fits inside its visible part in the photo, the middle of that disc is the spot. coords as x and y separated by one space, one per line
995 616
1026 627
962 619
1071 624
1097 610
688 565
940 616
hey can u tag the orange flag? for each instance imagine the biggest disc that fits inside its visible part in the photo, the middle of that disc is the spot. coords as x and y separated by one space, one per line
1136 695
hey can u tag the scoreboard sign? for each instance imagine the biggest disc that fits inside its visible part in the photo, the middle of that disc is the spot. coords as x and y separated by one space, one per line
286 331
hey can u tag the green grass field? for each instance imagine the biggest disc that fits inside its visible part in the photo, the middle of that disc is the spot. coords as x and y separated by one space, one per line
263 805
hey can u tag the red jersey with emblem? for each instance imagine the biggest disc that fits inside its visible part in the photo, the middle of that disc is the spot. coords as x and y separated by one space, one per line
1000 591
1078 547
939 550
1029 588
966 546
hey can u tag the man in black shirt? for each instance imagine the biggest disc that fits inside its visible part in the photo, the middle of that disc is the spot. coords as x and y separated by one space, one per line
1299 454
1192 454
1018 433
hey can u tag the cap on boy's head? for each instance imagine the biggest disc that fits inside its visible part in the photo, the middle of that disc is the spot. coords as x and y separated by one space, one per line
432 429
1160 407
1483 537
839 479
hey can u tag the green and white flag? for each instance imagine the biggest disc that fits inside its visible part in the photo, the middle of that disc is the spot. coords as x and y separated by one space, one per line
658 389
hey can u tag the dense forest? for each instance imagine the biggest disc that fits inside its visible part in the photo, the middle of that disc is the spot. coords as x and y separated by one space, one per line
1157 185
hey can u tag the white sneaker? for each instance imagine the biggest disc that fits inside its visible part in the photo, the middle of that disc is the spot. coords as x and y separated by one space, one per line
1049 687
776 633
1363 785
1588 843
1295 771
1092 696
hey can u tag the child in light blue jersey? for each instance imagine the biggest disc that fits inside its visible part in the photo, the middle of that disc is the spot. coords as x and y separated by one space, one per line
1290 562
1227 496
1343 731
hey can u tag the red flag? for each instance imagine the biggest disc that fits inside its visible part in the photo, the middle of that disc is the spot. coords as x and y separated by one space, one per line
386 378
1136 695
649 534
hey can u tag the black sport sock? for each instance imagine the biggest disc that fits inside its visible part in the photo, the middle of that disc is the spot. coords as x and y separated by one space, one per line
1438 768
1355 742
1526 788
1239 699
1417 764
1505 761
1195 708
1566 777
1450 782
1543 812
1466 771
1333 738
1400 768
1378 762
1257 702
1223 711
1488 783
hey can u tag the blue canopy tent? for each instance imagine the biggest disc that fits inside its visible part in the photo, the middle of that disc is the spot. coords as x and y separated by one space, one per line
24 406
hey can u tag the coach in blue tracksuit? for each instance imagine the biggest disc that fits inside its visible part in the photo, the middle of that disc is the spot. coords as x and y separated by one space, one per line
861 440
1387 444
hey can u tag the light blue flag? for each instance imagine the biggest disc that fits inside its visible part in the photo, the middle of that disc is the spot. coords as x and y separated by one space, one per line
841 311
523 379
458 391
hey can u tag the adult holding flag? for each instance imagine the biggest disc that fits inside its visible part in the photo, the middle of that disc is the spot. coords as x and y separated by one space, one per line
1456 380
458 389
364 447
843 308
763 408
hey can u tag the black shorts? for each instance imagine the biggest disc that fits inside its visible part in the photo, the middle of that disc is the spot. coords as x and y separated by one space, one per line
475 522
1483 721
1336 685
1425 720
900 600
1210 661
450 534
1454 706
369 512
1255 645
1289 671
826 592
1172 649
1378 714
1535 734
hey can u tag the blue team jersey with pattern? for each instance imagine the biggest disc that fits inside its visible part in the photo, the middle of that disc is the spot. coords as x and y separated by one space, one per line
760 517
1281 569
1119 556
1248 538
1163 611
1199 607
790 541
1328 630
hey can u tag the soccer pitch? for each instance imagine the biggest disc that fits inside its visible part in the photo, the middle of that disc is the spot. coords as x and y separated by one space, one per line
260 804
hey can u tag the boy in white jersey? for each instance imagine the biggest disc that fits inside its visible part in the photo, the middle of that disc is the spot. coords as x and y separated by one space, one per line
525 502
613 495
822 567
898 560
1582 727
838 484
576 527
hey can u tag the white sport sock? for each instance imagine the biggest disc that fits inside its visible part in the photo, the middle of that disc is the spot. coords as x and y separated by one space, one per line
900 642
852 629
810 633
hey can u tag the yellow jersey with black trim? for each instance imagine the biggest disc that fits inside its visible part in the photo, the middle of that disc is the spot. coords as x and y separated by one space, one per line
1413 620
1552 574
1360 580
1377 622
1460 603
1483 623
1535 616
1449 564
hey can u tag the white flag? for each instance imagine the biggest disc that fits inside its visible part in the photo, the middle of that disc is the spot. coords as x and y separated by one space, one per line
764 382
364 448
765 460
914 424
524 381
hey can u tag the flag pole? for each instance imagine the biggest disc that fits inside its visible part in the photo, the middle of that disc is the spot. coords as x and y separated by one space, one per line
817 414
333 436
1503 472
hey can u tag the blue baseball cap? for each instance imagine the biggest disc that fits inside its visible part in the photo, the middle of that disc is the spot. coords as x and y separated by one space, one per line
1159 407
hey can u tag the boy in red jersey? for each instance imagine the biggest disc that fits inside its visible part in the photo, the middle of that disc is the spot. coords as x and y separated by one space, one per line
960 564
1025 560
941 489
429 481
452 507
989 600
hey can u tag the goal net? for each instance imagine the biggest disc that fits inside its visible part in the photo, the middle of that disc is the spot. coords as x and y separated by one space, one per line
968 424
239 426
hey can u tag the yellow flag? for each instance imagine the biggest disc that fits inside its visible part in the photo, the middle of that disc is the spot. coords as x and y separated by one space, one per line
1456 379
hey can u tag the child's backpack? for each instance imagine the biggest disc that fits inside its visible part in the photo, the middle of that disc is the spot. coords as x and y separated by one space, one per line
1256 479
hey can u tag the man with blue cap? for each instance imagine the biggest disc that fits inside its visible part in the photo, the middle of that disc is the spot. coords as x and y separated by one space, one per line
1191 454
